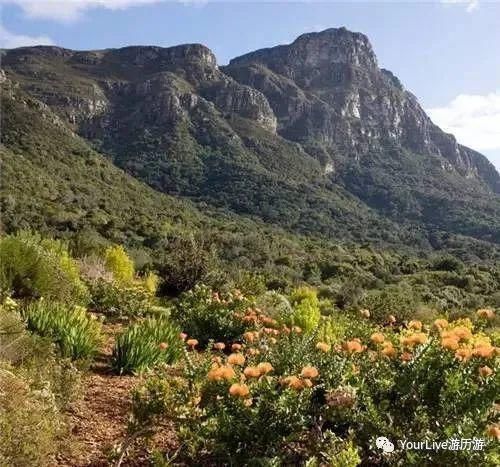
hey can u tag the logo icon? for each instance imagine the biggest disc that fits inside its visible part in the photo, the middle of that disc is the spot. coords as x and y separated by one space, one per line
383 443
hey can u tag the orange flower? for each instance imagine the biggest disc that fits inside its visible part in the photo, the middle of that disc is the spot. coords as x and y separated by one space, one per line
309 372
235 347
419 338
236 359
353 346
192 343
307 383
292 382
493 431
389 350
251 372
483 351
221 373
265 368
248 402
441 323
239 390
462 333
250 336
377 338
463 354
414 339
486 313
414 324
485 371
406 356
364 313
450 343
323 346
219 346
163 346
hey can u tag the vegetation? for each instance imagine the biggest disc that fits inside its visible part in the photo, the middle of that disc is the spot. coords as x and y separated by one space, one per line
366 345
75 332
146 344
36 388
293 342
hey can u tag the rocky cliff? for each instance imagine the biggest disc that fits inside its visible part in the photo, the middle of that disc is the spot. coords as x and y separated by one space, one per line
312 135
328 87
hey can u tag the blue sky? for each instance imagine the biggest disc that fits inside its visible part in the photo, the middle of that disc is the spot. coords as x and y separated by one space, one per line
446 52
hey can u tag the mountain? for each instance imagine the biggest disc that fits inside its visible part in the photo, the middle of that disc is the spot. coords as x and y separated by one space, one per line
312 136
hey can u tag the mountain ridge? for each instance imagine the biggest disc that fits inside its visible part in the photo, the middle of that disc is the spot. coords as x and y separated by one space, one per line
311 137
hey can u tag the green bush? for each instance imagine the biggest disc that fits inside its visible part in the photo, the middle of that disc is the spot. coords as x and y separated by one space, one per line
31 267
205 315
187 262
298 401
113 298
30 422
306 308
145 344
36 389
75 332
118 263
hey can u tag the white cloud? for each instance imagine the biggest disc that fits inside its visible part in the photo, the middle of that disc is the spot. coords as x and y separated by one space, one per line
473 119
10 40
71 10
470 5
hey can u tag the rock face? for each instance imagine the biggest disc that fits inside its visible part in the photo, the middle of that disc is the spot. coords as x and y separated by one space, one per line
328 87
310 135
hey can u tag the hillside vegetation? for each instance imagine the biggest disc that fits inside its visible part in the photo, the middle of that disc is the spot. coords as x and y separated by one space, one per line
271 263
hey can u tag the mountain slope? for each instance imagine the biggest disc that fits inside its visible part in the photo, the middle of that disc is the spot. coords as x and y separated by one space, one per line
312 136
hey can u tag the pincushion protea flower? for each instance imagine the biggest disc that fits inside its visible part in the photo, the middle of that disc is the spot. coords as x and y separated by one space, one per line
236 359
309 372
192 343
485 371
486 313
239 390
323 346
377 338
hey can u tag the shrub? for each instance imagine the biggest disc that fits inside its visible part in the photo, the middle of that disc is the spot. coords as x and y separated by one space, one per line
30 422
31 268
113 298
118 262
306 307
35 390
187 262
205 314
295 400
146 344
399 300
76 333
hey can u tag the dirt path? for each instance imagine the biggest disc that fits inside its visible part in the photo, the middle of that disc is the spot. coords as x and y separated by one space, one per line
99 419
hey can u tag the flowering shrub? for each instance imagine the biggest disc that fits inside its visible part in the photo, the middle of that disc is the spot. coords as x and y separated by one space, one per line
206 314
285 396
145 344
